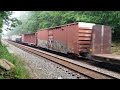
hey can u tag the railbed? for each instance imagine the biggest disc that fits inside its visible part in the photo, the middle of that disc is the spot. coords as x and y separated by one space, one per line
111 58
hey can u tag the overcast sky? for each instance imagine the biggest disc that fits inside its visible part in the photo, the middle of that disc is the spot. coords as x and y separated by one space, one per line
15 14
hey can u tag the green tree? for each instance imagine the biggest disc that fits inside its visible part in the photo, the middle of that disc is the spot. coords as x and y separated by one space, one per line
5 18
45 19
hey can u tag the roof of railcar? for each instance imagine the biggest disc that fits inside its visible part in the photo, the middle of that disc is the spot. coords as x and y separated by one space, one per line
58 26
29 33
66 25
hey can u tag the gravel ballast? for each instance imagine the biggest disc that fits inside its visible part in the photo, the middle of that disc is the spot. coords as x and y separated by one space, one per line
41 68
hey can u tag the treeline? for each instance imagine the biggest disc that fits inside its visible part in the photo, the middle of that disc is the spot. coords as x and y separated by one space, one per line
8 20
34 20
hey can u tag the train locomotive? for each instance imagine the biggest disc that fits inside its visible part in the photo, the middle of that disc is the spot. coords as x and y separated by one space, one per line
80 38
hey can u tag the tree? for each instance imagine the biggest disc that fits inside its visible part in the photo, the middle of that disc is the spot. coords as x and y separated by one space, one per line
45 19
5 18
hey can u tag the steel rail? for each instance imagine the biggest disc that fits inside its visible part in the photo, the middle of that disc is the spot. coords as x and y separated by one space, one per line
62 61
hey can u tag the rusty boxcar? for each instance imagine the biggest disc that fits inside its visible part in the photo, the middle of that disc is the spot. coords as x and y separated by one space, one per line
76 38
29 39
42 38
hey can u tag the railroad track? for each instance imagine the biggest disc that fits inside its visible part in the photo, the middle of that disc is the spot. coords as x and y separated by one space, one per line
69 63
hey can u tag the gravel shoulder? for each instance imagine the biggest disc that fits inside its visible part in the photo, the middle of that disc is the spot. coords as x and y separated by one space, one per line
41 68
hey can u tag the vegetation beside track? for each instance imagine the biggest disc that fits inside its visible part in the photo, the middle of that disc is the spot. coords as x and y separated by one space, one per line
116 48
19 72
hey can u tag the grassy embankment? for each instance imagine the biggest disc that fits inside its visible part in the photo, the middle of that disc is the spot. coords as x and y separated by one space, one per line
19 72
116 48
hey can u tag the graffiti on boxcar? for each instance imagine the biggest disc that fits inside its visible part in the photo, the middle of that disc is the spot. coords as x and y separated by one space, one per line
42 43
50 43
60 46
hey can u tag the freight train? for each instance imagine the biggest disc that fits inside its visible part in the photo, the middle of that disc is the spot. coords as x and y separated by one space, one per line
80 38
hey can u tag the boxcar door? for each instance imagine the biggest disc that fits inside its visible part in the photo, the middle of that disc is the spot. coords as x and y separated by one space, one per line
50 39
101 39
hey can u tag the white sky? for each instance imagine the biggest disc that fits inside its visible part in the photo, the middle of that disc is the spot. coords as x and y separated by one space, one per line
15 14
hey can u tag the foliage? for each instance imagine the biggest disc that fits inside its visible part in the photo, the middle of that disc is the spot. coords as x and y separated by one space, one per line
19 72
44 19
5 18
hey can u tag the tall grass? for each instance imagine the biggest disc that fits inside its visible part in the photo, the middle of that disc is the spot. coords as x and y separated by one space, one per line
19 72
116 48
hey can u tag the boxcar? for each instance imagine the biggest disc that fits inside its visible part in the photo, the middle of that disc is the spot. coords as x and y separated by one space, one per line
29 39
13 37
42 38
76 38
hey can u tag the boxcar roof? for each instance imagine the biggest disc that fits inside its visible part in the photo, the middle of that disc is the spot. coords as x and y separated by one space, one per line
82 23
59 26
29 33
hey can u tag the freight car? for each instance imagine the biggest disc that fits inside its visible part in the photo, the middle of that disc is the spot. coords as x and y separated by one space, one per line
76 38
79 38
29 39
15 38
18 40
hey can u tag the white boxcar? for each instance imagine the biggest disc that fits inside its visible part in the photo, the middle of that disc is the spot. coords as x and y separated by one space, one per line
14 37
